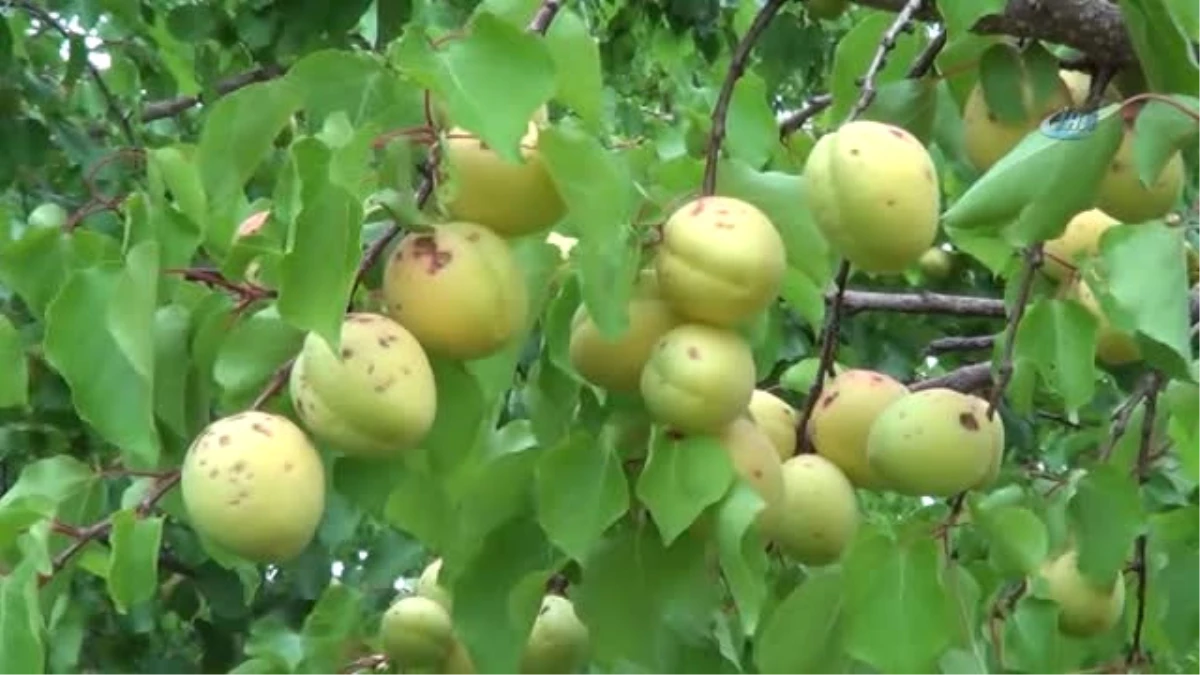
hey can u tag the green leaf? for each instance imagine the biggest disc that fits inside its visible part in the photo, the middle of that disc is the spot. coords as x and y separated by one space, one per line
116 356
318 268
40 262
741 552
1162 46
1033 643
492 79
897 616
1058 339
910 104
22 649
1018 540
177 170
419 505
577 67
1160 131
815 610
239 131
133 566
636 592
854 53
1155 304
751 132
252 350
328 626
1106 515
1035 189
14 382
355 84
598 191
581 491
682 477
1181 400
461 415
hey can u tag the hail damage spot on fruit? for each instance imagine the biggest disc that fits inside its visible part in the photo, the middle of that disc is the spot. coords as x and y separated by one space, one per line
829 399
968 421
287 467
425 246
693 353
260 428
698 207
406 370
854 151
223 440
473 237
757 473
876 377
347 353
891 202
385 385
238 466
213 473
722 212
724 225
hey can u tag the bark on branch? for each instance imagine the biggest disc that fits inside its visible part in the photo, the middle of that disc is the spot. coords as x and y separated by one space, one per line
922 303
1094 27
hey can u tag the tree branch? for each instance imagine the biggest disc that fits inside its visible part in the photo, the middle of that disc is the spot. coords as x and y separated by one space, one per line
1124 412
737 66
156 110
829 339
886 44
967 379
921 303
1145 451
1033 261
792 122
969 343
1094 27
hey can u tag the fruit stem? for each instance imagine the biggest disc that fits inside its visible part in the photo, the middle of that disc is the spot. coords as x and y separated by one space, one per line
829 338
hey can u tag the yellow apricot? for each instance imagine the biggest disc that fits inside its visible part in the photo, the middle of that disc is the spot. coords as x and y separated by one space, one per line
513 199
458 290
698 378
1113 347
1122 194
842 419
720 262
986 138
616 363
1084 607
756 461
254 484
1080 240
777 419
873 192
819 515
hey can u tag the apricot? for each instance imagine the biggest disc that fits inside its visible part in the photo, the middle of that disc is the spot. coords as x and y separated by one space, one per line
1079 84
935 442
777 419
47 216
1122 194
616 363
819 515
1080 240
458 290
720 261
841 421
698 379
986 138
417 634
935 263
1085 608
756 461
513 199
558 642
253 484
1114 347
375 397
873 192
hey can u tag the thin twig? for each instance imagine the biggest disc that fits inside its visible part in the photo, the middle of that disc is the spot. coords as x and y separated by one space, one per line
970 343
1150 406
811 108
829 339
928 56
274 385
966 379
170 107
1033 261
1124 413
110 99
737 66
886 44
544 15
920 303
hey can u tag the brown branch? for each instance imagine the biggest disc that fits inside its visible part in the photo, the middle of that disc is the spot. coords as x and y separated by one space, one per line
970 343
886 44
1145 450
966 379
1033 261
811 108
1094 27
928 56
156 110
544 15
829 339
110 99
1124 413
921 303
274 385
737 66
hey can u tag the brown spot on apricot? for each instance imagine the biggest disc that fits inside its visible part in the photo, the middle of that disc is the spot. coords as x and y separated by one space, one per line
898 133
724 225
891 202
877 378
473 237
968 421
426 246
854 151
693 353
347 352
383 386
406 370
698 207
223 440
261 429
757 473
238 466
829 399
287 467
213 473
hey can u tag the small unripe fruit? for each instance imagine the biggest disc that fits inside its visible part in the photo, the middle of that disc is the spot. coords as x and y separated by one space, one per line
1085 608
1081 240
379 387
616 363
1122 195
873 192
935 263
417 634
429 586
721 261
458 289
48 215
841 421
987 138
777 419
698 379
513 199
819 516
826 9
756 461
253 484
558 642
935 442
